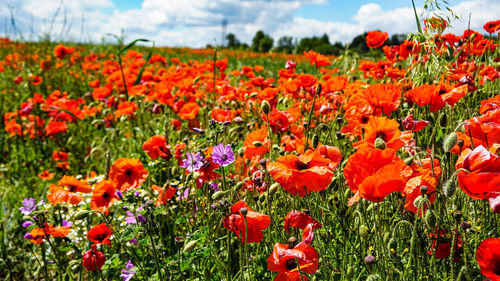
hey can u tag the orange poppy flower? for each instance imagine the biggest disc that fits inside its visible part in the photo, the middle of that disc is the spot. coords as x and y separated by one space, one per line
383 97
35 79
317 59
302 174
60 51
46 175
127 174
385 129
99 234
156 146
59 194
373 174
55 127
37 234
331 152
222 115
375 39
256 222
251 150
483 177
484 129
413 189
103 196
164 194
125 108
189 111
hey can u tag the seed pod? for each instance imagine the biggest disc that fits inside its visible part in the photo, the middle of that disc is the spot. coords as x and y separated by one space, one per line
263 197
373 277
370 207
265 106
218 195
380 143
430 219
190 246
450 141
284 101
257 143
363 231
443 120
449 187
274 187
241 152
276 147
253 95
315 141
322 127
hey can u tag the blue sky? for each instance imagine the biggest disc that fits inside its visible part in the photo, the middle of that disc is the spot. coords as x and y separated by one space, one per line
195 23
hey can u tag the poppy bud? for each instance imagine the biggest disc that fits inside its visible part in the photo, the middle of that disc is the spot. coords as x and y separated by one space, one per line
253 95
339 135
265 107
373 277
380 143
257 143
430 219
274 188
292 242
284 101
244 211
424 189
409 161
241 152
460 143
263 197
458 215
189 246
234 104
276 147
449 187
315 141
322 127
450 141
237 119
81 214
443 120
93 260
339 120
218 195
263 162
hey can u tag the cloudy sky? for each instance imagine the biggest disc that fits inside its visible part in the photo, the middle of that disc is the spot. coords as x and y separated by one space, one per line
195 23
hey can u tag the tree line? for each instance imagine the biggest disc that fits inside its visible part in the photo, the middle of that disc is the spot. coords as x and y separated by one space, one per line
262 42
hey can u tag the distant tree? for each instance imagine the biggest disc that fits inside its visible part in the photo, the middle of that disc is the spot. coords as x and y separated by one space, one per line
396 39
359 43
285 44
319 44
262 42
232 41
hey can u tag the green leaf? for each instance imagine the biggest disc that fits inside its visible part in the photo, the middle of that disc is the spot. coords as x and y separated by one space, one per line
131 44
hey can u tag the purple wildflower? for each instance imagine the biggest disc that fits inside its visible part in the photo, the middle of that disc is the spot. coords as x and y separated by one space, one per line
29 205
214 186
127 274
67 223
133 241
193 162
27 223
141 218
223 155
28 236
119 194
131 218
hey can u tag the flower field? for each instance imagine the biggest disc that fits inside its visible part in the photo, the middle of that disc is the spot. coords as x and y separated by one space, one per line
125 162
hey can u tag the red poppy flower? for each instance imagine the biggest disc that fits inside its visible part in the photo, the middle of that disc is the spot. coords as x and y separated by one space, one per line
331 152
125 108
413 189
127 173
414 125
373 174
55 127
100 234
300 220
287 259
383 97
93 260
302 174
251 150
483 178
492 26
103 196
60 51
46 175
441 244
189 111
488 258
37 234
256 222
156 146
375 39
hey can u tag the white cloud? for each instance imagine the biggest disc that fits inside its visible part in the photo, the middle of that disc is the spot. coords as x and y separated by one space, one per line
196 23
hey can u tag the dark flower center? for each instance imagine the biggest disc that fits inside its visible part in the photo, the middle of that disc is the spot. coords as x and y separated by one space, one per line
381 135
364 120
105 196
128 172
223 157
72 188
496 267
291 264
301 165
100 237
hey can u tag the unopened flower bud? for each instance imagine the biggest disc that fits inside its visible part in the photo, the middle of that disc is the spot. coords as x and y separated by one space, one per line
265 107
450 141
244 211
380 143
